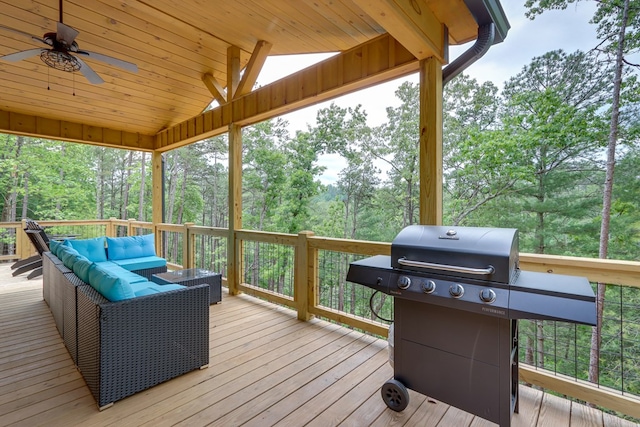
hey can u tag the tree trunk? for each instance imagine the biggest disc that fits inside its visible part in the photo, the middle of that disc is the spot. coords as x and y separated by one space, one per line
13 195
61 174
596 335
25 195
183 192
126 186
171 190
100 184
143 175
540 342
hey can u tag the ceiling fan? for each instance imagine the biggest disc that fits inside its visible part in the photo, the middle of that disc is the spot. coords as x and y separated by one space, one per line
62 52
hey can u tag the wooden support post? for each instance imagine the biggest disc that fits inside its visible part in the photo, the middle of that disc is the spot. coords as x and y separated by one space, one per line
156 199
234 248
23 245
431 141
187 247
304 281
111 227
233 71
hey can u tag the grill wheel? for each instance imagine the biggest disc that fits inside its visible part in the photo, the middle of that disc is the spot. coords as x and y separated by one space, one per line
395 395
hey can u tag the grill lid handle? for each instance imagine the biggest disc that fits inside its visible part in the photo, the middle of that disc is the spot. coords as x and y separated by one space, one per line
444 267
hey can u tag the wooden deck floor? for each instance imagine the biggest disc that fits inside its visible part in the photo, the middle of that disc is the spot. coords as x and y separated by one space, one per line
267 368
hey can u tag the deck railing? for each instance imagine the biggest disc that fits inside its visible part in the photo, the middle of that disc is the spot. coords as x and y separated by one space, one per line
307 273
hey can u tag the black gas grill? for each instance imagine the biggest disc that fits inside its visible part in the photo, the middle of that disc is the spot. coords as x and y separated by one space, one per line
458 294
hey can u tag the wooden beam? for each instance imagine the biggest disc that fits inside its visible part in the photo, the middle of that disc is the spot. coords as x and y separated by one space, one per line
371 63
216 89
156 189
233 71
253 68
234 247
431 142
42 127
412 23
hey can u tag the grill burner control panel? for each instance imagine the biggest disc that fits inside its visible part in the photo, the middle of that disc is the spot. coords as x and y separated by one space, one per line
493 301
531 296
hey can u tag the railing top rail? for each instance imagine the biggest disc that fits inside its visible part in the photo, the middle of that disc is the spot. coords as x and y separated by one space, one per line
209 231
170 227
10 224
51 223
362 247
267 237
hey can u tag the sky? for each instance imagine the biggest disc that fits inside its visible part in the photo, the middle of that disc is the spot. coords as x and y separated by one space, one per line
568 30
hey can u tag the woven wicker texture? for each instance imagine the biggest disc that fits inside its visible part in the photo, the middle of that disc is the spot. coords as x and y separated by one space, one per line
124 347
128 346
70 283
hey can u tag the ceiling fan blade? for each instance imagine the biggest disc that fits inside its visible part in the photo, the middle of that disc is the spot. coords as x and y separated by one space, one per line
22 33
110 60
65 34
19 56
88 72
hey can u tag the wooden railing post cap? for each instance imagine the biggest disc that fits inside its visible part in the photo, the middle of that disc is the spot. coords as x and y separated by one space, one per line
306 233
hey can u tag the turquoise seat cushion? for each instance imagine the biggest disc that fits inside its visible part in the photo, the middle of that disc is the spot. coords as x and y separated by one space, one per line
92 249
108 284
81 269
141 263
121 272
149 288
119 248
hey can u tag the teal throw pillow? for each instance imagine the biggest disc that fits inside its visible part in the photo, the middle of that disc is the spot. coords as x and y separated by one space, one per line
93 249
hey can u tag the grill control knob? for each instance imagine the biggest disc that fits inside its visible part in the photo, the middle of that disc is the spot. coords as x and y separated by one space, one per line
456 290
404 282
487 295
428 286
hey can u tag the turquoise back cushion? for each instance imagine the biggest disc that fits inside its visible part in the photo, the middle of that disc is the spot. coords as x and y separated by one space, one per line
92 249
81 269
53 246
111 287
67 255
55 249
130 247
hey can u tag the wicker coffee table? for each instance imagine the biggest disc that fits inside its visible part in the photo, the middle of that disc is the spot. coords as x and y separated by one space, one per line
192 277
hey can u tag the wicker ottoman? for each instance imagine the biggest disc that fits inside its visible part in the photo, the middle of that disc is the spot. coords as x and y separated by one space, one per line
192 277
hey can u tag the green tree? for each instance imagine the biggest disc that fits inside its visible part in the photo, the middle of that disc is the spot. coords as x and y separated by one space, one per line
344 131
478 156
618 31
557 129
398 146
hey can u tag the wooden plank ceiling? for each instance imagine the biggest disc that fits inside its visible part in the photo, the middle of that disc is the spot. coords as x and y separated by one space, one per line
174 43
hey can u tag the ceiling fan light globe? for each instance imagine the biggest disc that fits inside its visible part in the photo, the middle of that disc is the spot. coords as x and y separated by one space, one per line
60 60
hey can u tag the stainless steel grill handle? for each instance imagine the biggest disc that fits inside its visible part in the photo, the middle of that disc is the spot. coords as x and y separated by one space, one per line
444 267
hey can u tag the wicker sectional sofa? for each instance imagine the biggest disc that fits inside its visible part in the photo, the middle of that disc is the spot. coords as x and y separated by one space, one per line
125 346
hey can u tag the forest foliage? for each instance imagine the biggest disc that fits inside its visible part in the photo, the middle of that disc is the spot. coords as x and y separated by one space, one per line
529 156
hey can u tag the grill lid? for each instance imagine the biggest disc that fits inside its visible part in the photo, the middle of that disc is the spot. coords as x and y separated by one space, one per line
467 252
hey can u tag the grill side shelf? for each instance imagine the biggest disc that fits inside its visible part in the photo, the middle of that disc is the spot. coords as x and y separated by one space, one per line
373 272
